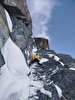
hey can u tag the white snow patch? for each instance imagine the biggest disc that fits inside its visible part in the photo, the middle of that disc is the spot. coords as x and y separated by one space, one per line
62 63
43 60
50 55
9 21
15 87
56 58
58 90
5 79
46 92
71 68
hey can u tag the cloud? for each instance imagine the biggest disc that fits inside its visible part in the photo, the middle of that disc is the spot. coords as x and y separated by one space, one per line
40 11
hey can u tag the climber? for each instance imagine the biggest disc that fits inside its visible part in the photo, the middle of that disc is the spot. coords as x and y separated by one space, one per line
35 59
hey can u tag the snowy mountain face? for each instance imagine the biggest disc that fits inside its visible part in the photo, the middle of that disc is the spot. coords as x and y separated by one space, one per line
54 80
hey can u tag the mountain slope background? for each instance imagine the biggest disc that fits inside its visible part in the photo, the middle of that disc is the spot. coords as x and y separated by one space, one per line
55 81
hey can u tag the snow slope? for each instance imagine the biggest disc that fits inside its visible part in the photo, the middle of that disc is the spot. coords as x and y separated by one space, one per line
14 76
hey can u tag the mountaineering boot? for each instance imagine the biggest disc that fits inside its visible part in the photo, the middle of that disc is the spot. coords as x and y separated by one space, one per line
30 65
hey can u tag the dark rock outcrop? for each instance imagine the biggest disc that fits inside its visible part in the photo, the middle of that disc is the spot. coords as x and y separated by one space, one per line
41 43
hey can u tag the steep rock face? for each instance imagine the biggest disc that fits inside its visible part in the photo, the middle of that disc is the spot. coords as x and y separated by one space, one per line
21 20
4 30
22 24
17 7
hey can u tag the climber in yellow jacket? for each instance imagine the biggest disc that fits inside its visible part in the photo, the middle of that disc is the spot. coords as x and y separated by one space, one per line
35 59
36 56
